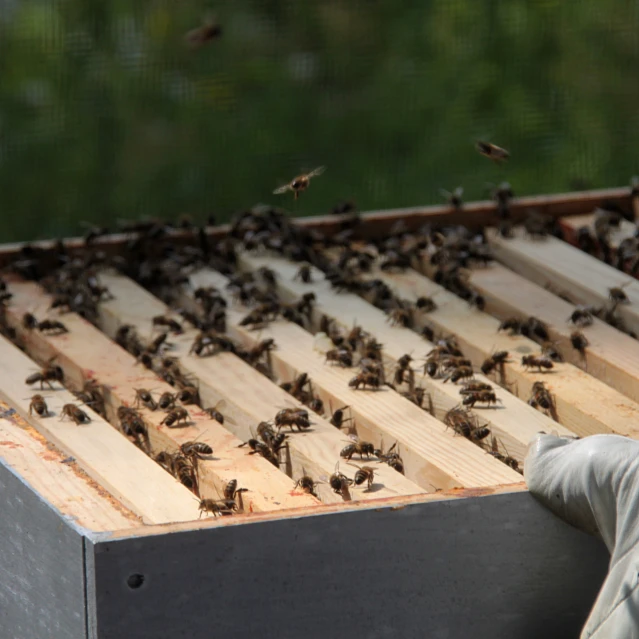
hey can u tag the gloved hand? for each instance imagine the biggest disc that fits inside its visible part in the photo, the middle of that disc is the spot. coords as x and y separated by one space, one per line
593 484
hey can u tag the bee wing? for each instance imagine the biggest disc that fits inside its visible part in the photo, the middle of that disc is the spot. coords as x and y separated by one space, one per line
282 189
315 172
444 193
459 191
322 343
220 405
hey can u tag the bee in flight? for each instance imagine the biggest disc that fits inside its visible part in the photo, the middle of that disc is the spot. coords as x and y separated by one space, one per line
492 151
300 183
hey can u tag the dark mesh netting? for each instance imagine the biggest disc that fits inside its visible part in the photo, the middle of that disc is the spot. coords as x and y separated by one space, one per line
105 112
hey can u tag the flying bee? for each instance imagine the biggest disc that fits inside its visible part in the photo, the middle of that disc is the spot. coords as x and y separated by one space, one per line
617 295
167 400
162 321
144 397
207 32
74 413
177 416
52 326
304 274
29 321
364 474
357 448
496 360
189 395
492 151
454 198
293 417
214 411
582 316
541 397
39 405
300 183
482 397
537 361
579 342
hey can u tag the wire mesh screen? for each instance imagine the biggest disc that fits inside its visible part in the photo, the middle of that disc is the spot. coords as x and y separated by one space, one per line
106 112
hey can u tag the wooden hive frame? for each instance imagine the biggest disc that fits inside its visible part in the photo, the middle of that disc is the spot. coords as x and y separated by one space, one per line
103 540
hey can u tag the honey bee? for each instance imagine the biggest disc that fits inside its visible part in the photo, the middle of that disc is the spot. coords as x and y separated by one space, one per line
167 322
214 411
74 413
189 395
541 397
534 328
144 397
133 425
337 418
29 321
341 356
167 400
511 324
459 372
364 474
474 387
617 295
536 361
340 483
195 451
496 360
260 316
492 151
454 198
210 30
579 342
391 457
585 241
425 304
306 483
215 507
185 472
176 417
304 274
482 397
47 375
300 183
293 417
365 378
231 491
52 326
357 448
582 316
39 405
403 372
464 423
506 459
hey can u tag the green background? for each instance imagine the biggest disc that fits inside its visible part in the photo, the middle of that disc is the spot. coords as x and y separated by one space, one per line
105 113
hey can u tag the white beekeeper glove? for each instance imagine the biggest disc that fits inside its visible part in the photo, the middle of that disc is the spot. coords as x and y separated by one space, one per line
593 484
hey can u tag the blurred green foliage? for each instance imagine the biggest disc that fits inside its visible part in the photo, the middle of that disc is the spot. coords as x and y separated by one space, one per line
105 113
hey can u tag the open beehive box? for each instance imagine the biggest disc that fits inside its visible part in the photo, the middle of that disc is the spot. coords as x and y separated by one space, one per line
122 520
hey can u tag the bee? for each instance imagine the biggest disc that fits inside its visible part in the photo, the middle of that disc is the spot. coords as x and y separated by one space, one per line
304 274
535 329
454 198
47 375
579 342
541 397
177 416
341 356
459 372
548 349
300 183
357 448
215 507
210 30
209 343
167 322
29 321
425 304
618 295
391 457
337 418
293 417
402 316
585 241
261 348
74 413
259 317
496 360
365 378
507 459
464 423
133 425
582 316
167 400
536 361
214 411
340 483
52 326
144 397
364 474
185 472
189 395
511 324
474 387
165 460
38 405
194 451
231 491
482 397
492 151
538 225
307 484
403 372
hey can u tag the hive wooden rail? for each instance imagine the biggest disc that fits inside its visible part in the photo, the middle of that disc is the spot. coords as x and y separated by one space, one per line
583 277
85 353
251 397
432 455
611 356
107 457
571 225
516 424
57 479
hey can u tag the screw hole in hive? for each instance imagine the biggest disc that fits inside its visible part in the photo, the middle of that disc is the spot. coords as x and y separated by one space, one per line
135 581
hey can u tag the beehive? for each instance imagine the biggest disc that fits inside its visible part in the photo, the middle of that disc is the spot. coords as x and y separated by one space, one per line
101 541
